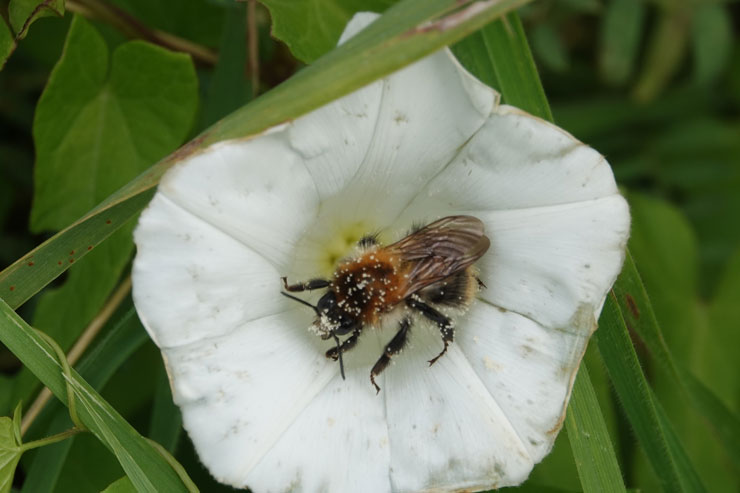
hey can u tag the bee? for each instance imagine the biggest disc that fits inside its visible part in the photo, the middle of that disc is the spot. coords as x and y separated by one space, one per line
427 271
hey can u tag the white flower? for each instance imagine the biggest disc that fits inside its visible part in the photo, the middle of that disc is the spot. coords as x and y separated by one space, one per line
263 405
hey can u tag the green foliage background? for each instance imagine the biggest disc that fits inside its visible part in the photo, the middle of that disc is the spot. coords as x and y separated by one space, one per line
94 93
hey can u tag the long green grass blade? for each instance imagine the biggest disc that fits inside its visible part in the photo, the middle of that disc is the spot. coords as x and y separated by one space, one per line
96 367
408 31
640 317
507 53
664 452
514 66
143 465
592 449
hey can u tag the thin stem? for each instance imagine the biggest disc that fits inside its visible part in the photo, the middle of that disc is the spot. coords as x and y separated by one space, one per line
79 348
176 466
134 28
49 440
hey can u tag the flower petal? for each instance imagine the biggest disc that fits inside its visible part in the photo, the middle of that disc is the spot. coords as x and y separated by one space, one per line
338 443
381 148
257 191
516 161
192 281
527 368
556 221
555 264
446 430
240 393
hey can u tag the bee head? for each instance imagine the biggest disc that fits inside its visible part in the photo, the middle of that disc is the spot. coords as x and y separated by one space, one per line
331 320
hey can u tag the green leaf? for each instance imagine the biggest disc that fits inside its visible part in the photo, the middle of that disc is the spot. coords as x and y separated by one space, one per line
310 28
10 453
390 43
143 465
711 31
549 47
589 439
123 485
665 453
165 424
621 31
666 50
96 127
23 13
514 66
7 43
99 123
721 372
229 87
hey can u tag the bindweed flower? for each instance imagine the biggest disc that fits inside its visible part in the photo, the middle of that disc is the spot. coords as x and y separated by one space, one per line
263 405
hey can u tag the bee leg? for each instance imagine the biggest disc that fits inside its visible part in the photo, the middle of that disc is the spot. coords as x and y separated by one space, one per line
348 344
392 348
305 286
446 327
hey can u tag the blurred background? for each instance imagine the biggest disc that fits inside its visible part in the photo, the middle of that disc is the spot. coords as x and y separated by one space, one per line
654 85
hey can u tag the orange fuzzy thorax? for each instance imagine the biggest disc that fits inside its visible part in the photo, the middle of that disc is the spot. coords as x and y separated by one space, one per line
369 285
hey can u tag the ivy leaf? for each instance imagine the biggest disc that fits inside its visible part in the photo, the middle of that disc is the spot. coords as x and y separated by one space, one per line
7 43
23 13
101 120
10 452
310 28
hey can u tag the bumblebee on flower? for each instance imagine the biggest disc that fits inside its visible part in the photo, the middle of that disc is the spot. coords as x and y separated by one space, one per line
264 400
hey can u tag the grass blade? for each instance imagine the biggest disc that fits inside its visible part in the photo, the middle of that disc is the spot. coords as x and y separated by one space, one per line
97 367
665 453
144 466
592 449
639 316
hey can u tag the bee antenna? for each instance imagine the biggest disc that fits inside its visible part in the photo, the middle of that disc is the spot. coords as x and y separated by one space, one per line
339 353
301 302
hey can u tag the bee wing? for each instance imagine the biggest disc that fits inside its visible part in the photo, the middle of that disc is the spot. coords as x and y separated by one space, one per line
441 249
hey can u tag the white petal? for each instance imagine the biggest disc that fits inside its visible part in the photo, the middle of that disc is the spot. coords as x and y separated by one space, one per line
334 139
516 161
557 225
447 432
240 393
357 23
555 264
338 443
527 368
420 127
257 191
389 138
192 281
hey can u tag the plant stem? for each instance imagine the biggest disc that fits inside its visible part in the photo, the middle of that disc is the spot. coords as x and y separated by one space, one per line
134 28
49 440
